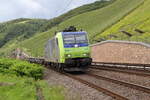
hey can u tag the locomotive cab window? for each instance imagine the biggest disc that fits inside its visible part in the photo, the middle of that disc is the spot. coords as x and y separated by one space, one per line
75 38
81 38
69 39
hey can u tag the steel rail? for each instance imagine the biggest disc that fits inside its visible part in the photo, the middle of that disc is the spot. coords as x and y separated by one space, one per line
128 64
131 72
139 67
100 89
131 85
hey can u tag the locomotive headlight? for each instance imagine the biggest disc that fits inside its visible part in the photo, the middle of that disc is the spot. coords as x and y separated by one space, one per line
84 54
68 55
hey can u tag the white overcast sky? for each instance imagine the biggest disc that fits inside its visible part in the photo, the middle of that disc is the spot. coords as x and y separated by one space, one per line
12 9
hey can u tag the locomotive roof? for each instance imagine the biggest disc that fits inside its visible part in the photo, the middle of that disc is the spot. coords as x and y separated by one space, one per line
81 32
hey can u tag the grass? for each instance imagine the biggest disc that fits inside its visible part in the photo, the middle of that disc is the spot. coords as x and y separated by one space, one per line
138 19
14 85
22 90
94 22
23 28
13 43
25 89
77 11
52 93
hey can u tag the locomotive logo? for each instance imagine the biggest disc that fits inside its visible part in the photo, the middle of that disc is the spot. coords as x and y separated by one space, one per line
76 45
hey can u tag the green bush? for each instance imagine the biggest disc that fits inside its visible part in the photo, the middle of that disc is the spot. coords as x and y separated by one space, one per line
20 68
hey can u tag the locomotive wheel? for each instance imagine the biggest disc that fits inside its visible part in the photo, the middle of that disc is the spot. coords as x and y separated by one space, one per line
55 66
60 67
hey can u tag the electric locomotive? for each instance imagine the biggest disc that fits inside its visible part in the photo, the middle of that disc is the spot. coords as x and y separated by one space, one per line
68 50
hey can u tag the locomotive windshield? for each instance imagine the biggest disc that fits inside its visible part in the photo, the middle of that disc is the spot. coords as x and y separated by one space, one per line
69 39
75 38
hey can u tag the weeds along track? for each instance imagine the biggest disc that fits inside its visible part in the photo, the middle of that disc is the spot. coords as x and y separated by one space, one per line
39 93
137 69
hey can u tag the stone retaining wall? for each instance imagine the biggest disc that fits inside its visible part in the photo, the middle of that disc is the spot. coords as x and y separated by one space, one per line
121 52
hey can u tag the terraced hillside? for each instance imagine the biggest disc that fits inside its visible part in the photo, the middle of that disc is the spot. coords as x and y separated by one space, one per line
94 22
12 33
134 27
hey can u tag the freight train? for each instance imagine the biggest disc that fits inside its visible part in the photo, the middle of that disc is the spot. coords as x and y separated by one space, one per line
68 50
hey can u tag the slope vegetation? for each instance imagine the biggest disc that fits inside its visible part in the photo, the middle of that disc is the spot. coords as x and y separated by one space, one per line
15 31
134 27
94 22
82 9
19 29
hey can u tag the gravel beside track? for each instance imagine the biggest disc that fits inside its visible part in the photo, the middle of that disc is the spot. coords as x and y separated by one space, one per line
130 93
74 89
132 78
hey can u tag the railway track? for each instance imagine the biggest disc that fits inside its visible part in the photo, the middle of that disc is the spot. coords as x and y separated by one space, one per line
100 89
130 85
107 91
137 69
128 71
133 66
